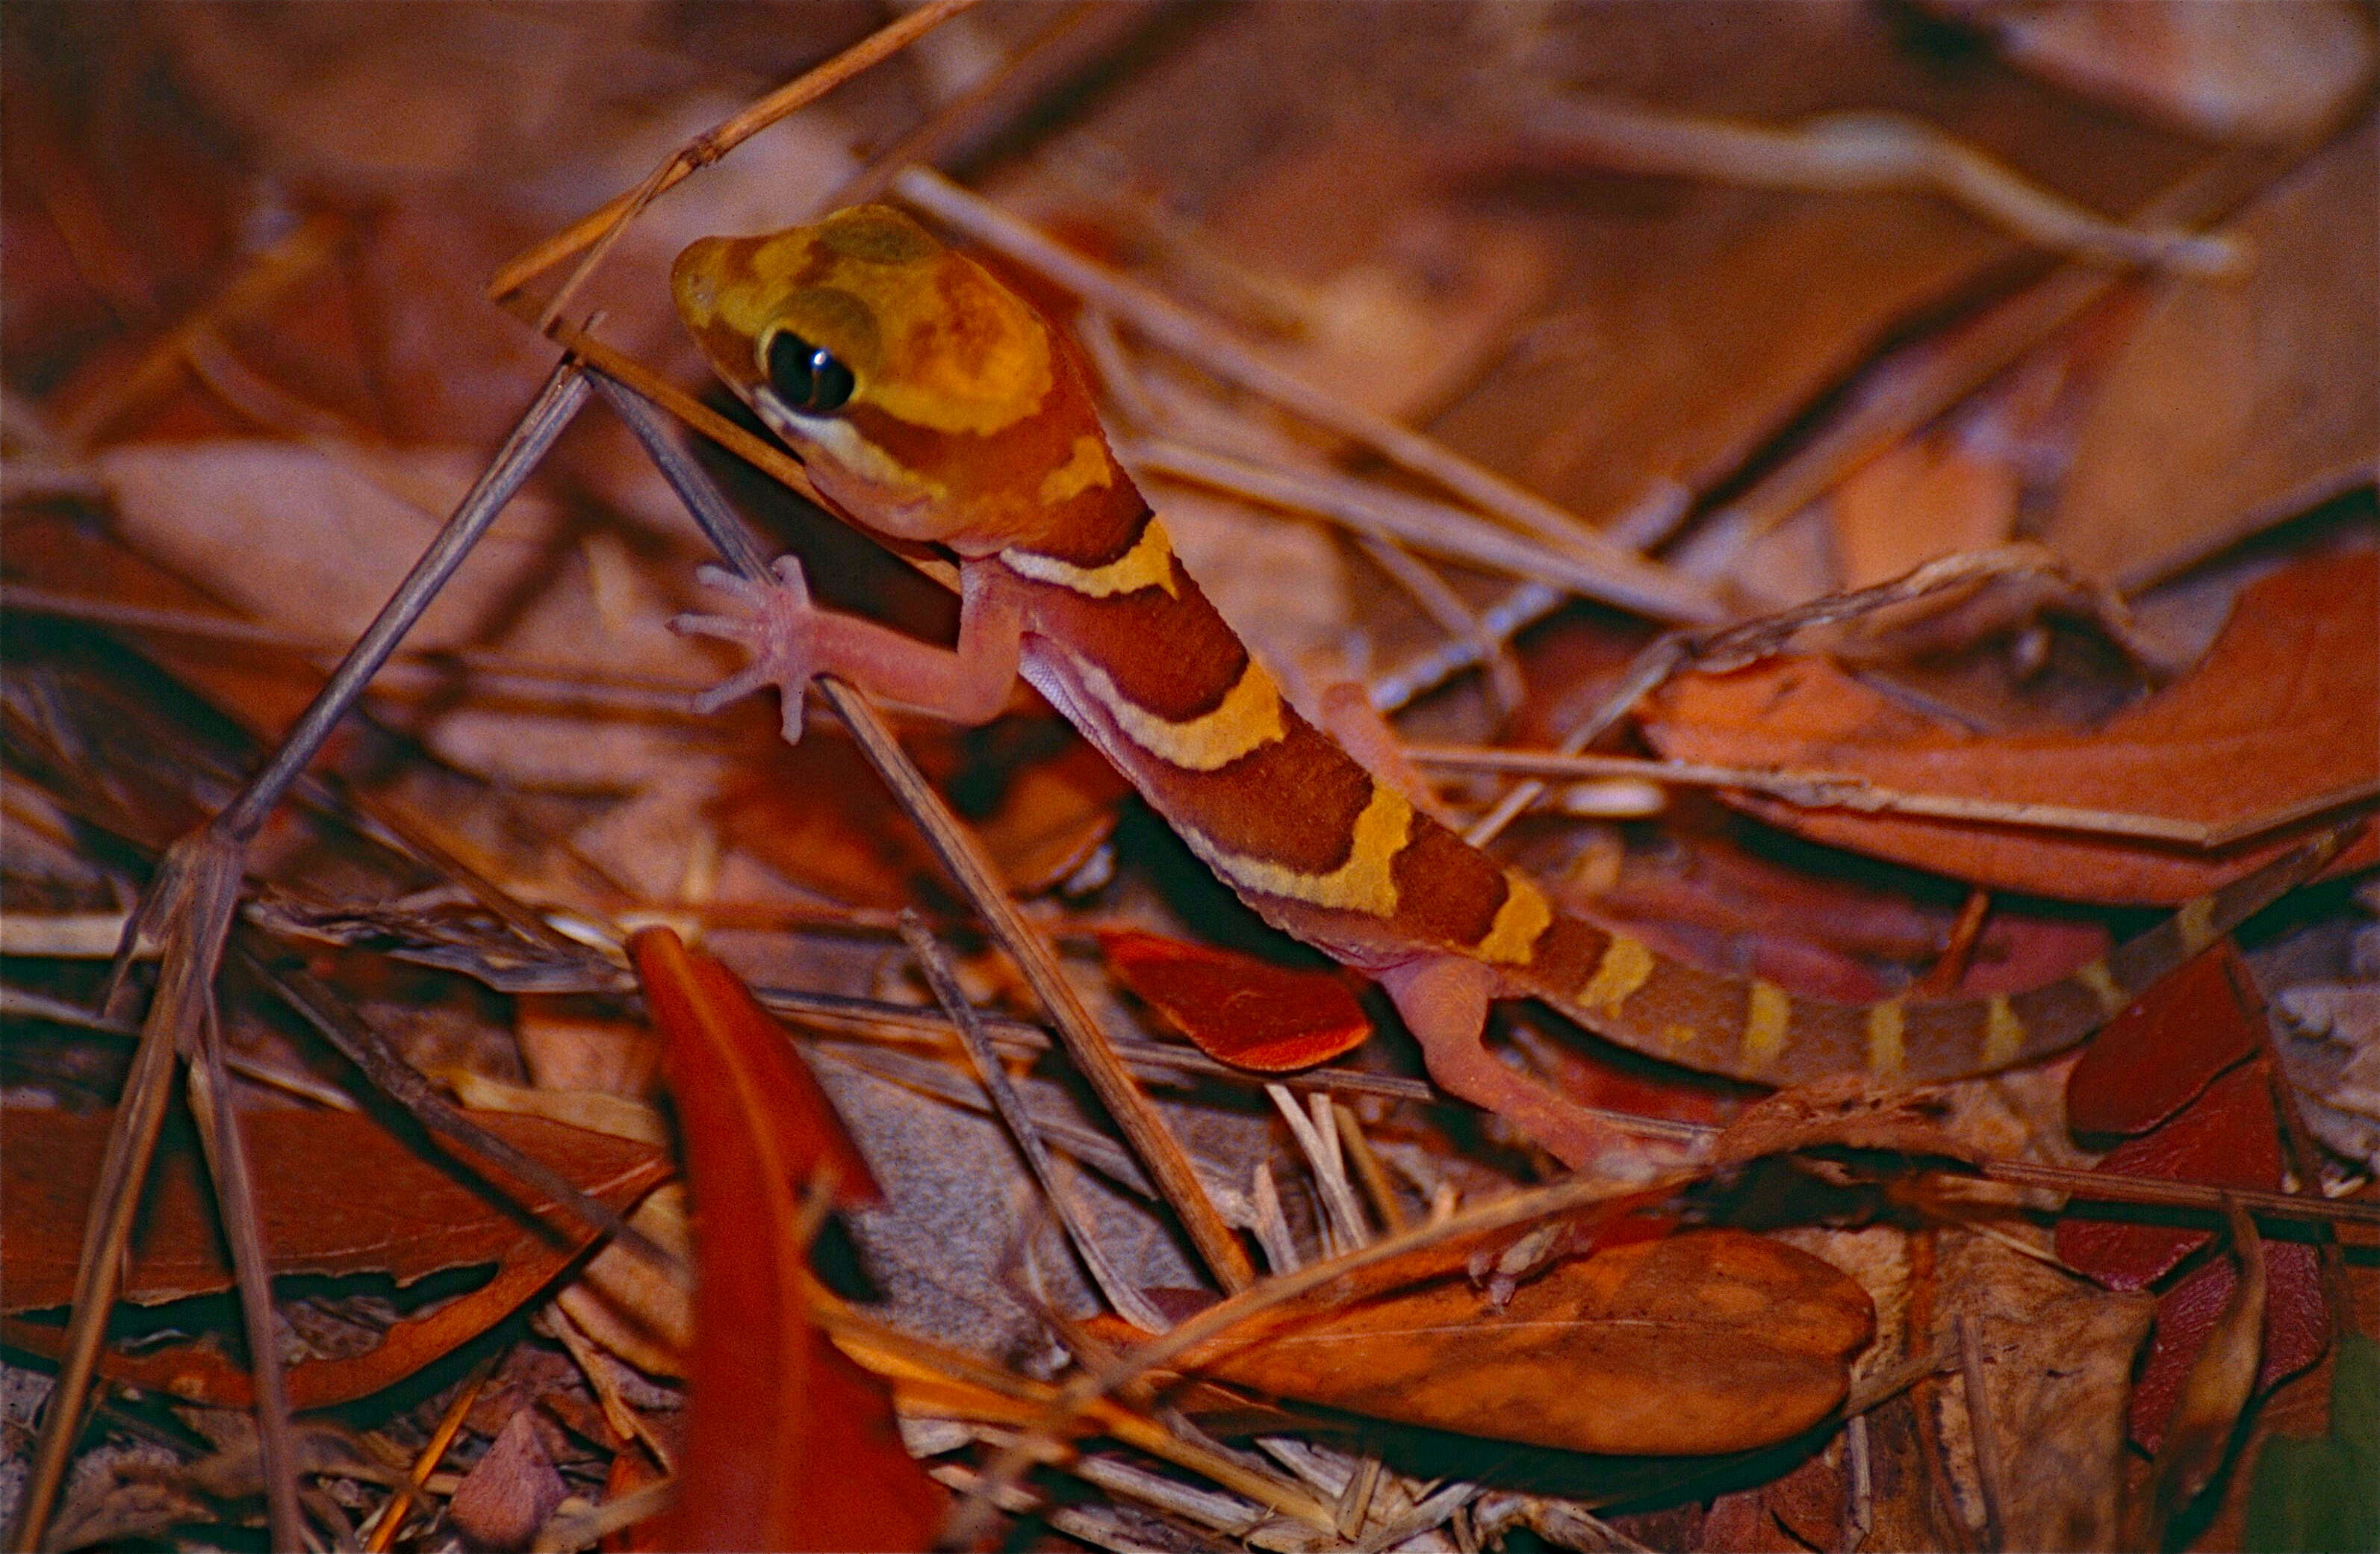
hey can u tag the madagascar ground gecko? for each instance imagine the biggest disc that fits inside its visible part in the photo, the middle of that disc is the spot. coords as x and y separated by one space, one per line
934 406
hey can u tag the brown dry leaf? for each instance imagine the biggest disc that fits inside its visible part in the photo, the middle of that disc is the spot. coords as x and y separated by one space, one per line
1919 499
2239 403
510 1492
2233 72
1402 299
2285 708
314 544
1696 321
1703 1342
339 1196
2057 1366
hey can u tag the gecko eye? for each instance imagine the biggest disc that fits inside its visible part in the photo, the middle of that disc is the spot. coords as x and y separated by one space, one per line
807 378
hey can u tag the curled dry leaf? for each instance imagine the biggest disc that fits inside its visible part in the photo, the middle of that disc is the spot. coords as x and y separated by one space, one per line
2056 1356
339 1196
2217 1385
2284 710
510 1492
788 1443
1846 1111
2192 1314
1239 1009
1703 1342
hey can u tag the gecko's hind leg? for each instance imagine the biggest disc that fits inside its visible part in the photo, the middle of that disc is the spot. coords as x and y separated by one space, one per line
1443 1000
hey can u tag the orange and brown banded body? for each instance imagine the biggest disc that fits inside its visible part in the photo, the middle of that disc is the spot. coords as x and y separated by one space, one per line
1123 641
959 416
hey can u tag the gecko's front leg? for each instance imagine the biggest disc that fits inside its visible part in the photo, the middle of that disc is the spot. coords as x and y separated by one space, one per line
792 641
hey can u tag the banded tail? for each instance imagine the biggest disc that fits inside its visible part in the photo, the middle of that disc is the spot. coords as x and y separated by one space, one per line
1749 1028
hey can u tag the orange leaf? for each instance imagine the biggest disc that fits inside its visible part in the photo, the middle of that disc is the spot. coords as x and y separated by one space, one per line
1239 1009
338 1195
788 1443
2285 708
1700 1343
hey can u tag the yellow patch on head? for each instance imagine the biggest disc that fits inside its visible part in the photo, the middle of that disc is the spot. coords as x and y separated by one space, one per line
1622 969
1365 882
1519 921
1148 564
930 338
1767 1016
1248 718
2003 1032
1886 1054
1089 469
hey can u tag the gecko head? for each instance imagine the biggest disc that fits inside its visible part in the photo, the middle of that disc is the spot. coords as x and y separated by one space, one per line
914 386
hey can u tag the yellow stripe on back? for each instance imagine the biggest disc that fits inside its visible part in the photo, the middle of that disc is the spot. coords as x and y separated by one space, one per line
1886 1054
1248 719
1519 921
2095 976
1625 965
1365 882
1767 1013
2196 923
2003 1032
1148 564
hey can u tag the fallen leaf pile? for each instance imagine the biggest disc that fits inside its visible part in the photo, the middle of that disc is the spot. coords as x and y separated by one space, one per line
1874 498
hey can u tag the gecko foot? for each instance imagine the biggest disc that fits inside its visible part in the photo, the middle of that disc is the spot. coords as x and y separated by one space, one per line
775 623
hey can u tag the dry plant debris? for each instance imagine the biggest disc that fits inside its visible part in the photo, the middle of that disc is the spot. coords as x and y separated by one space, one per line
1876 497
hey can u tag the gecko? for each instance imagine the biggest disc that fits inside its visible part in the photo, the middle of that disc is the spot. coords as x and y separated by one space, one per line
937 408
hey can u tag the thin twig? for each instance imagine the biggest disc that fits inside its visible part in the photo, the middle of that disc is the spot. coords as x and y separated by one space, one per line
305 249
1127 1300
1624 578
1524 606
1084 37
1368 508
1819 789
599 227
1982 1435
189 905
450 1424
1451 614
216 1107
1861 153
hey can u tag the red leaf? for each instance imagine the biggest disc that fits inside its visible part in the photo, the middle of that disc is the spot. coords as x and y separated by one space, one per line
2297 1330
2227 1137
338 1196
2156 1056
695 1000
1237 1008
2284 709
788 1444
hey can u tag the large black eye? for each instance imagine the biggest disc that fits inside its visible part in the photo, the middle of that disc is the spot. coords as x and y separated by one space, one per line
807 378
